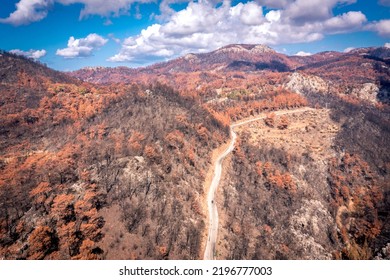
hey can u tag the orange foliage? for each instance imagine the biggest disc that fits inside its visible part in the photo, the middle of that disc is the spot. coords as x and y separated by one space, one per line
259 168
40 194
87 251
202 132
61 205
40 241
175 139
270 120
276 178
151 153
353 183
162 250
135 142
283 123
267 229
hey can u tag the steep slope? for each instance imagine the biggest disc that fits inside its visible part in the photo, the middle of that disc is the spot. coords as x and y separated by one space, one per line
362 73
306 187
102 172
13 67
23 82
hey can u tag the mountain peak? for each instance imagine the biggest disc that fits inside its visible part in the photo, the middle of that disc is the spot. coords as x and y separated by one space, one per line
245 48
190 57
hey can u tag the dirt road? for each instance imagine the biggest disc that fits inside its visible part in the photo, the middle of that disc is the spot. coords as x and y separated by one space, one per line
209 253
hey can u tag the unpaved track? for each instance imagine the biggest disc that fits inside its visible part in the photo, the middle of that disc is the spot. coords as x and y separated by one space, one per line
209 253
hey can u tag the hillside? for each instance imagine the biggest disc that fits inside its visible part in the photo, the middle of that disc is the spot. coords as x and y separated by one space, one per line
297 188
114 163
91 170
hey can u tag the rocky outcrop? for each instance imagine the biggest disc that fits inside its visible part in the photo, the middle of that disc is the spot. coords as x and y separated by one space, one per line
367 91
305 84
252 49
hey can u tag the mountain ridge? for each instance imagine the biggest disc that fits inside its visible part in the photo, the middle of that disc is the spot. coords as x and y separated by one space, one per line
364 72
234 57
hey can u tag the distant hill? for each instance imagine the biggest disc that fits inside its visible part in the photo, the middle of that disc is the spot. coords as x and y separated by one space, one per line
363 72
229 58
13 65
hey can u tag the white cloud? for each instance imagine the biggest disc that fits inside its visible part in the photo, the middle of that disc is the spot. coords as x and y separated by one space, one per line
197 17
82 47
302 11
382 27
34 54
387 45
273 16
347 50
251 14
112 37
346 22
302 53
103 7
275 3
204 26
28 11
166 10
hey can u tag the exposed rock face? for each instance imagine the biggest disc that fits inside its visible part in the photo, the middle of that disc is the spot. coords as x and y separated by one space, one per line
262 49
384 254
367 91
191 57
371 92
305 84
309 225
253 49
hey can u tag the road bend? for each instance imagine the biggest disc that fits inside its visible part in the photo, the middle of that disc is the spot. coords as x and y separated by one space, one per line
210 250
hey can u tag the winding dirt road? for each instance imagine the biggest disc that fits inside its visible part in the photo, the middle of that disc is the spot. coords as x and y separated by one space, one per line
209 253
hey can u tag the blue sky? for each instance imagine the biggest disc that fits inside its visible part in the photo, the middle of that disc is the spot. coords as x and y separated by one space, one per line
71 34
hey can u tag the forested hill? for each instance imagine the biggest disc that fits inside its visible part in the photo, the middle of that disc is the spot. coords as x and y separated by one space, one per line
91 172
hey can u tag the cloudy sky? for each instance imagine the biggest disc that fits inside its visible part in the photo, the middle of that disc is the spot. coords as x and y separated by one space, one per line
70 34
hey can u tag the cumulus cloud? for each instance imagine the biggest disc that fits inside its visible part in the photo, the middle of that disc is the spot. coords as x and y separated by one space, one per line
34 54
28 11
387 45
275 3
166 10
302 11
345 22
251 14
103 7
382 27
82 47
302 53
204 26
